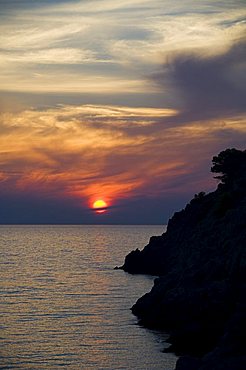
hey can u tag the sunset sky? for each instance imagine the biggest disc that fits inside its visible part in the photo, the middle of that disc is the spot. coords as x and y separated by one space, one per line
121 101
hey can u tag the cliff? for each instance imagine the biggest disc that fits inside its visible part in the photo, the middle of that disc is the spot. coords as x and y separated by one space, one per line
199 296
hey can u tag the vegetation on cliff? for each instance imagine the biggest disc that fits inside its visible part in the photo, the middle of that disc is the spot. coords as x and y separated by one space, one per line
199 296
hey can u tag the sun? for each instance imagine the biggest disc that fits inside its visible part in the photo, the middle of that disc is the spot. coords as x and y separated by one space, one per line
100 206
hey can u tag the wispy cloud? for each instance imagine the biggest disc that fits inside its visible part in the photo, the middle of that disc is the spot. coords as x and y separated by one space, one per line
129 37
62 152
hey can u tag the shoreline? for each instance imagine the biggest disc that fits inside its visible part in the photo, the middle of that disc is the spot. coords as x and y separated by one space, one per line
199 296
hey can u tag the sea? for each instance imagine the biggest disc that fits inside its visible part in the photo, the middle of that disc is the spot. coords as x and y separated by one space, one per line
64 306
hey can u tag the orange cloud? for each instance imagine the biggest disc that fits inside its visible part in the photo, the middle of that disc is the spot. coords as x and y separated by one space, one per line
114 153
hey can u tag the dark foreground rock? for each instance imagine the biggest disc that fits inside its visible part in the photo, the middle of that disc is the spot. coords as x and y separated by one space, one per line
199 296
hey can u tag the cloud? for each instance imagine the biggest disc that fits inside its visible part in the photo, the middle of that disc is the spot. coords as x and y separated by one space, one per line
130 101
113 152
26 35
50 56
107 46
208 87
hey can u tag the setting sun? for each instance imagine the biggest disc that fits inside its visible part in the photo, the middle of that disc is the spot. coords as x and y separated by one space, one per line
100 206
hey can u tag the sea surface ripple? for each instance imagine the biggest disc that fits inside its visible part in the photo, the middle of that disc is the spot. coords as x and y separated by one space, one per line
63 304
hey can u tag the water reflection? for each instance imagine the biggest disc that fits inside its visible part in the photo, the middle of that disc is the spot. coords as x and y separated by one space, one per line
63 304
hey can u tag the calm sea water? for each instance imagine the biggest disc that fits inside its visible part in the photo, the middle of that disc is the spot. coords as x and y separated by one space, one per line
63 304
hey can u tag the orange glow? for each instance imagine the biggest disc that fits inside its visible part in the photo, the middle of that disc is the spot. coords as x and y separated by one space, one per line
100 211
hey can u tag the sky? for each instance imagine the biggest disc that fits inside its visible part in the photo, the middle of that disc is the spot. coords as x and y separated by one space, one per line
121 101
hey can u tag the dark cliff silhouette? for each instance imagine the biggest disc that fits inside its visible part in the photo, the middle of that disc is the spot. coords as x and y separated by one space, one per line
199 296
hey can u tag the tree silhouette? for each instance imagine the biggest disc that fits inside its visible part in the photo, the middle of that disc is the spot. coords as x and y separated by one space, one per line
230 164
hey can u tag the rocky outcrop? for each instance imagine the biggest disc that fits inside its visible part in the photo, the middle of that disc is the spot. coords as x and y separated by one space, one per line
199 296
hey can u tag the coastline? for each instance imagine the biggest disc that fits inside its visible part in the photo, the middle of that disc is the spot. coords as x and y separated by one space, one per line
199 297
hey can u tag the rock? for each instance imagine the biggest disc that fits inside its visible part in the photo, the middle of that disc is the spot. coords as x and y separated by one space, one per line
199 296
188 363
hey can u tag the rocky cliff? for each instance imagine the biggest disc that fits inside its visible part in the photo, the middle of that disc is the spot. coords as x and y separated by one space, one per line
199 296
